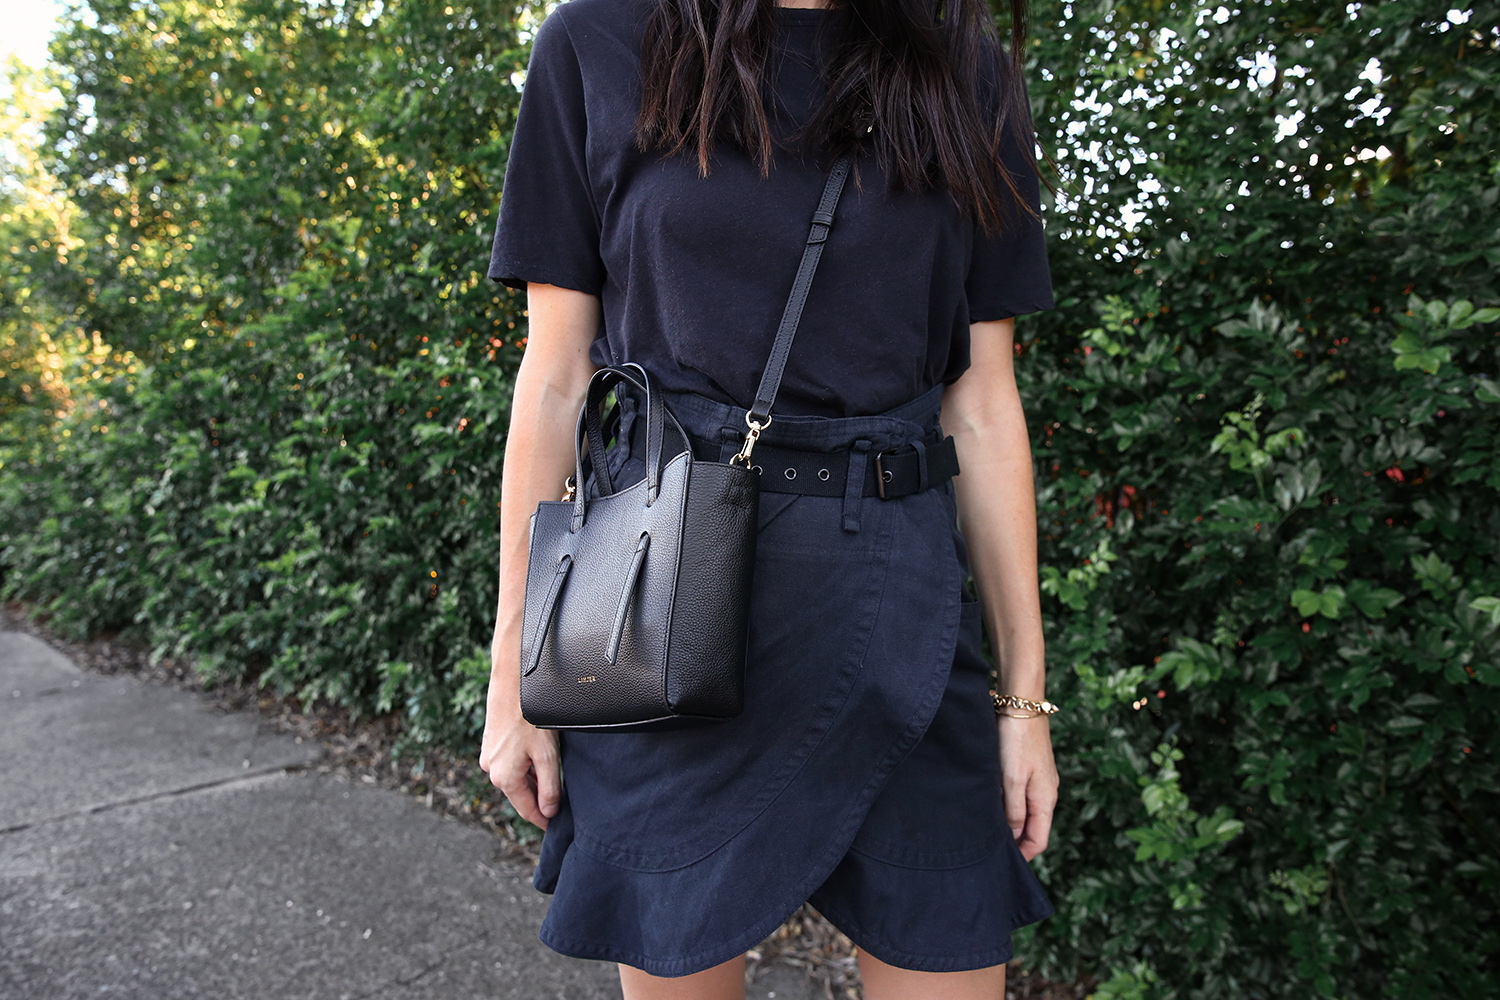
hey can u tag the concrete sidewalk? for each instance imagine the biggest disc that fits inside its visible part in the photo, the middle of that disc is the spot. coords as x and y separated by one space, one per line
152 846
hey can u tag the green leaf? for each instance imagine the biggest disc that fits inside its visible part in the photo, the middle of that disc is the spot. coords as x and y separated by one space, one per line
1430 360
1489 606
335 614
1331 602
1404 725
1409 343
1306 602
1372 601
1480 316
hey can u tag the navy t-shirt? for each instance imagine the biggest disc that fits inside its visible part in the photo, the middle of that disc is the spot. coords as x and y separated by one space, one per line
693 272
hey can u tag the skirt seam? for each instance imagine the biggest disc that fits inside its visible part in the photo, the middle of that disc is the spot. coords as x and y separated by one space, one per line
937 861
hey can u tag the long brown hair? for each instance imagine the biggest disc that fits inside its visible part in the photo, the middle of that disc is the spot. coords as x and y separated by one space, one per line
914 69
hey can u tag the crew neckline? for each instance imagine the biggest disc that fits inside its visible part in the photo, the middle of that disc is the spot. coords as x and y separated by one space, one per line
801 15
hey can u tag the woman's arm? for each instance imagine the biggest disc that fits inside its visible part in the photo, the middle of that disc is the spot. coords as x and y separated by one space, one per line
520 759
997 514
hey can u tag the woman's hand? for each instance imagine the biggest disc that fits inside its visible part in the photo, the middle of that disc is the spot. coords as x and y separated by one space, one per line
521 760
1029 778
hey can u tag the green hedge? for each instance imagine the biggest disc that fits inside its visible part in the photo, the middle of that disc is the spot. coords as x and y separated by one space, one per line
1277 630
1266 435
295 472
1270 497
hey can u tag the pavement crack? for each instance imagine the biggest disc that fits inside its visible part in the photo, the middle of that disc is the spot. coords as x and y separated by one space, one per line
202 786
426 970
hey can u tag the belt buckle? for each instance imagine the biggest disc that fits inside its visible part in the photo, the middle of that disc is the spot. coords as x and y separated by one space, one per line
881 476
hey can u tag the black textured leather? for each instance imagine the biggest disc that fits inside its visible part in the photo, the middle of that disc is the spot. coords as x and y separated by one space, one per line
791 316
627 595
574 685
714 572
637 598
604 380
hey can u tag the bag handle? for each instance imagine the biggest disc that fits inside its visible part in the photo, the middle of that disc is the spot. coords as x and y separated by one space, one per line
602 381
758 417
590 429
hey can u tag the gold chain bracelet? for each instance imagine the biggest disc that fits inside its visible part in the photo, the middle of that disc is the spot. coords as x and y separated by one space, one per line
1037 709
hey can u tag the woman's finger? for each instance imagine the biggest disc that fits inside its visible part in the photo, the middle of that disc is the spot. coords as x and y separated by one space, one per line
1041 799
494 777
518 789
548 781
1014 787
1038 829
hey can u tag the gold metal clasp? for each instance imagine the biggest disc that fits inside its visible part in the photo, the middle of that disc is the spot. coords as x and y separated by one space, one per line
570 489
751 436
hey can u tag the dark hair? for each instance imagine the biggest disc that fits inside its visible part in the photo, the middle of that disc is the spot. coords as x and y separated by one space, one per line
918 70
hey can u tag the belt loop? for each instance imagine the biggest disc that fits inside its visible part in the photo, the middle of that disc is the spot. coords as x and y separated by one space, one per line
730 442
854 484
922 482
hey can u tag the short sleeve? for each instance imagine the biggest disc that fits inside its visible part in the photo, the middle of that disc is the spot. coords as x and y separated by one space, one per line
548 230
1008 273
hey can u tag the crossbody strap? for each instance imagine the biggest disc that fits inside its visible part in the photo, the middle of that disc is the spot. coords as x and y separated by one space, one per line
759 415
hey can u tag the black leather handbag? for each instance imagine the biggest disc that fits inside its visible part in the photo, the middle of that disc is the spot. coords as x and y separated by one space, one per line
637 599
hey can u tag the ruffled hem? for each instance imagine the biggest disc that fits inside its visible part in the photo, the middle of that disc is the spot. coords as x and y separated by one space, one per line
970 911
934 919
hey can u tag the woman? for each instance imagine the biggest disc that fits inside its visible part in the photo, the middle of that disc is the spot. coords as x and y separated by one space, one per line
667 158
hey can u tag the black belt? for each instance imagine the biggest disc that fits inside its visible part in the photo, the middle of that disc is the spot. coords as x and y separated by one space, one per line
897 472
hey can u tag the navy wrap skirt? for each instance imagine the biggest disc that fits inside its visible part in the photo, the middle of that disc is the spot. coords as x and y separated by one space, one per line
863 775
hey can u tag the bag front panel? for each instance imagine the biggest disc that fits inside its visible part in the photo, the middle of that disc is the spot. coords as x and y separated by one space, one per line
575 684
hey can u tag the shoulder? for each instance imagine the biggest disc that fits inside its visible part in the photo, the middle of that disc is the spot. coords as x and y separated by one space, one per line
585 63
597 24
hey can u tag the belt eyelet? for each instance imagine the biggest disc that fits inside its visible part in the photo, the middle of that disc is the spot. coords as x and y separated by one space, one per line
823 474
790 473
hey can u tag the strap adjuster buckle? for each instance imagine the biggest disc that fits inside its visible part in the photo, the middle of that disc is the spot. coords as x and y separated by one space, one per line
822 222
